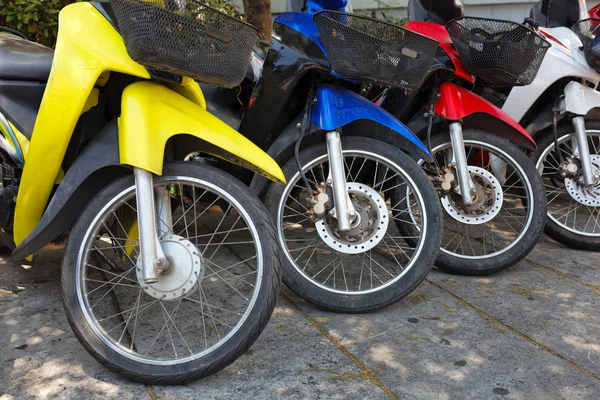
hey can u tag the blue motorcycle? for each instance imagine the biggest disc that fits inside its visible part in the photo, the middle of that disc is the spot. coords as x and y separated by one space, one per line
353 183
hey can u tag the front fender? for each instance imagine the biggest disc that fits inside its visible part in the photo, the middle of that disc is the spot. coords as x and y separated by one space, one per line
580 99
456 103
152 114
336 107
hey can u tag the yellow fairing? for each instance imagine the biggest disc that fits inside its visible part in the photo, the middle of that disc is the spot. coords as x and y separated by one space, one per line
87 46
152 113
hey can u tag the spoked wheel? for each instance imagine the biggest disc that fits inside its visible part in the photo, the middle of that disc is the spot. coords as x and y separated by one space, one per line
372 265
573 207
507 218
205 310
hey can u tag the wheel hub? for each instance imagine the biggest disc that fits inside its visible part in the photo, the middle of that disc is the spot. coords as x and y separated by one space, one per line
587 195
488 199
367 230
187 267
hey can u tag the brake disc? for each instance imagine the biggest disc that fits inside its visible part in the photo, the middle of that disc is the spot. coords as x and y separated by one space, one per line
589 196
367 230
451 202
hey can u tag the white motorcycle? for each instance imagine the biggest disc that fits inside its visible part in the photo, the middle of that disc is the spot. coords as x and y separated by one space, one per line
561 108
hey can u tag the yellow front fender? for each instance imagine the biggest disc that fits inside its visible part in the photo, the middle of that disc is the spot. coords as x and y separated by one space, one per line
152 113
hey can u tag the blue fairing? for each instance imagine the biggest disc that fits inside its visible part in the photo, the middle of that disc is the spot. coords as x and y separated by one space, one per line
315 6
302 23
336 107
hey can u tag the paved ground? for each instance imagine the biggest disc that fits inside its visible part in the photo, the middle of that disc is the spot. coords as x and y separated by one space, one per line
530 332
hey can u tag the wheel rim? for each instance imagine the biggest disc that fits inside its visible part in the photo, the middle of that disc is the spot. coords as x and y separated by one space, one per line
353 273
563 208
496 236
149 330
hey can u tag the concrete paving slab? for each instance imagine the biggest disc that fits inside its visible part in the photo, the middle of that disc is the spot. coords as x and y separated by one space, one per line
580 265
554 311
41 358
431 346
291 360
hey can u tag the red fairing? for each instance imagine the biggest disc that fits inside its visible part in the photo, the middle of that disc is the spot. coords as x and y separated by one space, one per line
456 103
439 33
595 12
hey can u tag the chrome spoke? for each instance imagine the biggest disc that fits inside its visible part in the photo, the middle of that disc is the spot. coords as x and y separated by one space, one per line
157 323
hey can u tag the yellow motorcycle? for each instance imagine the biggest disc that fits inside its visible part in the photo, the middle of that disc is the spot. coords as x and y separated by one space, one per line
171 268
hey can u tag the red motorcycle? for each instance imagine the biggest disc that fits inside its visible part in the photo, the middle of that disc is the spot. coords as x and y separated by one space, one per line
492 194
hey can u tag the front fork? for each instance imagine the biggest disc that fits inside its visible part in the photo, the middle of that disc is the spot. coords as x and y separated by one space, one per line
344 210
152 255
582 151
465 183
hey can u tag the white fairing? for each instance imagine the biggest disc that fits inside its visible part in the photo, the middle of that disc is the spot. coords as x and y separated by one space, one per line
560 62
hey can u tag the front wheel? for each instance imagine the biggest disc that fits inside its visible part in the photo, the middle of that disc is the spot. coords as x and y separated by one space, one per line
508 215
372 265
205 310
573 208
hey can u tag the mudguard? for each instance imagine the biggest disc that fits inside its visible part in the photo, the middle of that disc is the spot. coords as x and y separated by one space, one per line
337 107
151 114
456 103
81 183
580 99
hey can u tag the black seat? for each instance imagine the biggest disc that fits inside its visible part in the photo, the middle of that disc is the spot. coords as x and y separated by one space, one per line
24 60
556 13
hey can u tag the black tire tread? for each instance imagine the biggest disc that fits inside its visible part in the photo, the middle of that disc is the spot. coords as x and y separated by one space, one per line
228 358
400 289
489 266
552 229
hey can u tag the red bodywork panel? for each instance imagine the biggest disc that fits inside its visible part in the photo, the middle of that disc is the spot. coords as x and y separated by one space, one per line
439 33
456 103
595 12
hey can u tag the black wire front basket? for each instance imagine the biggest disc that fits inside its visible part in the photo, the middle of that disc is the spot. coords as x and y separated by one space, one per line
366 49
587 30
502 53
186 37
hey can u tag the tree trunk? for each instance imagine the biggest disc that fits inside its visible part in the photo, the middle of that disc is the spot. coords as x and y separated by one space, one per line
258 13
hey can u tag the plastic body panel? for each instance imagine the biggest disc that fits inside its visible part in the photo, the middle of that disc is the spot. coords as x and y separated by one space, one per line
439 33
76 190
79 60
580 100
566 61
152 113
337 107
456 103
20 102
291 57
302 23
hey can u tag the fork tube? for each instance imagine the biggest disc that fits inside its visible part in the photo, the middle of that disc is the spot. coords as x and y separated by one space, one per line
462 168
164 218
338 177
584 150
153 258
